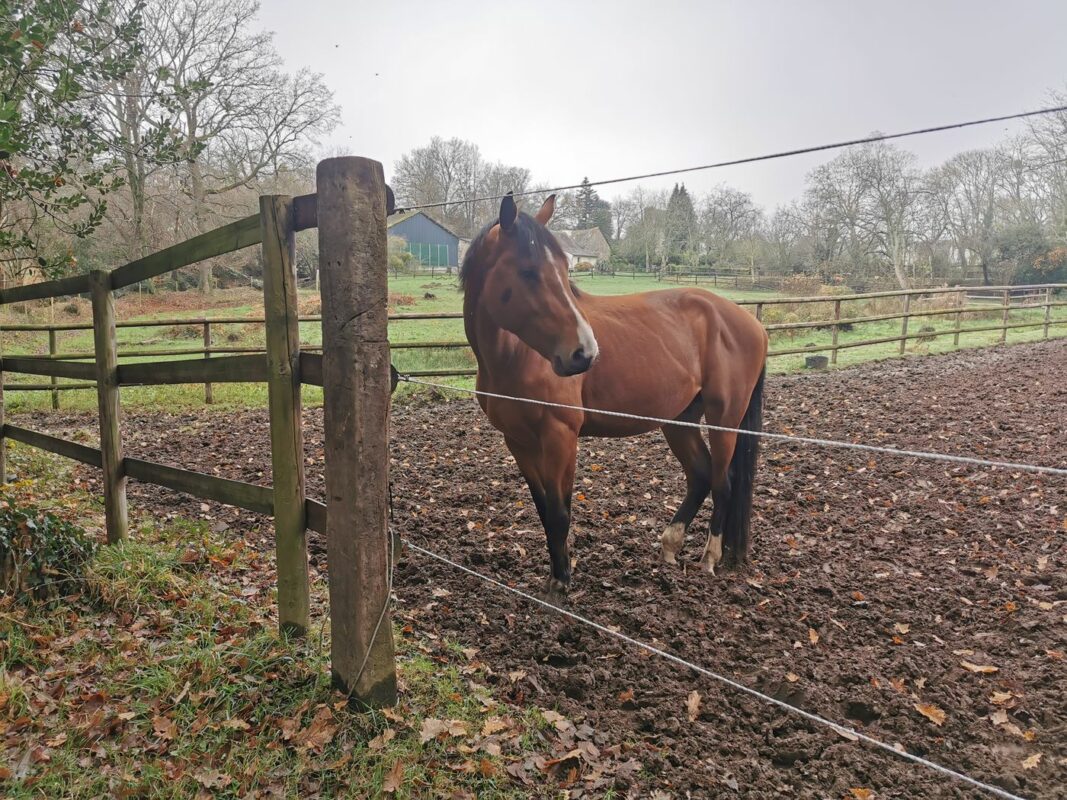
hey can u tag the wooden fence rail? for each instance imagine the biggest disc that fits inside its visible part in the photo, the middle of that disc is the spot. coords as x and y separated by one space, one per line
1008 299
353 517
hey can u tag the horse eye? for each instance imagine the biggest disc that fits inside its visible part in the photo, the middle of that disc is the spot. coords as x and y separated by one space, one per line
528 275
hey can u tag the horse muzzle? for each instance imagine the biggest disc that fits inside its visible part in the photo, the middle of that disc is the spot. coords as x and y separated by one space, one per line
575 364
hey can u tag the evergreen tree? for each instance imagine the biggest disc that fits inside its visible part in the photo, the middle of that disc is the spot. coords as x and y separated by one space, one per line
681 223
593 211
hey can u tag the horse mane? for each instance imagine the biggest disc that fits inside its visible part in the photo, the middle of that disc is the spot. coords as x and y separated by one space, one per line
531 238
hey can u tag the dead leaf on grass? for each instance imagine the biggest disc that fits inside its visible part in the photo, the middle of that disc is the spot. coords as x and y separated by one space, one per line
394 778
382 739
165 728
495 725
211 778
433 728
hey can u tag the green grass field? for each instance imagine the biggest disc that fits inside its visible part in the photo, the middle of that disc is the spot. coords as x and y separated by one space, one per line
423 294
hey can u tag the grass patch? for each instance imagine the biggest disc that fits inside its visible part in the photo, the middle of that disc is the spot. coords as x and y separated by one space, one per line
426 294
165 677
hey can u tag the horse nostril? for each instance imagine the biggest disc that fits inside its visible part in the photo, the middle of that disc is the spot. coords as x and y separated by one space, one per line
578 355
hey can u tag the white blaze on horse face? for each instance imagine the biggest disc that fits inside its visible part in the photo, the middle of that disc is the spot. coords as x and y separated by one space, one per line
586 339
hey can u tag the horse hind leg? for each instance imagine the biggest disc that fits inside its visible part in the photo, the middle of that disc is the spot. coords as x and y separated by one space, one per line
689 448
722 450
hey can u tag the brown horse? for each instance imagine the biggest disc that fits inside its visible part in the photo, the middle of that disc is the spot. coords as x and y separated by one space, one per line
677 354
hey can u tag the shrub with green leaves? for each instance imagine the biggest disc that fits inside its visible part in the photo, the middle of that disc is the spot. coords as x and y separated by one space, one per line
41 555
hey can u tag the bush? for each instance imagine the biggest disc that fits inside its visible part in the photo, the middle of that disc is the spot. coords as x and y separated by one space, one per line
40 553
801 285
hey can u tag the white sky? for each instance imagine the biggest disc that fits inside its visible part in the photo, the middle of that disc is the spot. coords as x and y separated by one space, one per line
602 89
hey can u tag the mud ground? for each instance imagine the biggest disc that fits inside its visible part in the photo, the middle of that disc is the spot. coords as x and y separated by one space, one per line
923 603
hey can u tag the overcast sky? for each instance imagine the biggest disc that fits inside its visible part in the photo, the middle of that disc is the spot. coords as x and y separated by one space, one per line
603 89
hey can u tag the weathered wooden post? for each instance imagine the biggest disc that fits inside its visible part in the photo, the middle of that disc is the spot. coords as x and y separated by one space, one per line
209 394
52 350
3 441
281 316
904 324
356 380
107 393
837 324
961 301
1048 310
1004 318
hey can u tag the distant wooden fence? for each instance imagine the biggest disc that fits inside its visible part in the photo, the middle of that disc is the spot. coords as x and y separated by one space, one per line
957 303
349 210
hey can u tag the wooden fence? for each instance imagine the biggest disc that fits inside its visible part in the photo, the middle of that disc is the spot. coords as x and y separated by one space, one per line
843 313
349 211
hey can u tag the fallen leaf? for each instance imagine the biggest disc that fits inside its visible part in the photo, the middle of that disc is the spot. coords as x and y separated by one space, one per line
931 712
554 718
494 725
431 729
1032 761
999 717
319 733
813 636
901 627
625 697
861 794
985 669
394 778
792 677
164 727
692 705
382 739
236 724
211 779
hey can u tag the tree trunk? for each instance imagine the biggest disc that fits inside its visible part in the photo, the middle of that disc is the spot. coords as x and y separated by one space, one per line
197 192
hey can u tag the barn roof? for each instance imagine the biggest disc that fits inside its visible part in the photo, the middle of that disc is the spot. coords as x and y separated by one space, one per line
396 219
574 244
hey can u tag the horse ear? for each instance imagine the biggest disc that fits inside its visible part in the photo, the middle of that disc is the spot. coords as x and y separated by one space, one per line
547 209
508 212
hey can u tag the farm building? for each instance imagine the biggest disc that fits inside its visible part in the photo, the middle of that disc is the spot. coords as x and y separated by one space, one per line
584 245
427 239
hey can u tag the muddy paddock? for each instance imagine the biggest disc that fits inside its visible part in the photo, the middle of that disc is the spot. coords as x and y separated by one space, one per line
922 603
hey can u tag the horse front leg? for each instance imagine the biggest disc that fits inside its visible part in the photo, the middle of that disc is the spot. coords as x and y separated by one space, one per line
548 468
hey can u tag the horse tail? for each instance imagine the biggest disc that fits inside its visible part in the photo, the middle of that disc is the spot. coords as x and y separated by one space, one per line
742 480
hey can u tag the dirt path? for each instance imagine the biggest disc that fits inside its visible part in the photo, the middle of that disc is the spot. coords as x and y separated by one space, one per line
878 586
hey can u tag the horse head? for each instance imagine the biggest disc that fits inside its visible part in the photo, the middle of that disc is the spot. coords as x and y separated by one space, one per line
526 289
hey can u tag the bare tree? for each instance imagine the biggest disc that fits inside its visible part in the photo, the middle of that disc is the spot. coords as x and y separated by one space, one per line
966 189
728 217
240 115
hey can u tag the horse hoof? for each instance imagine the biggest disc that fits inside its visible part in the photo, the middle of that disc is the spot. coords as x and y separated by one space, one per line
708 565
555 590
671 543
